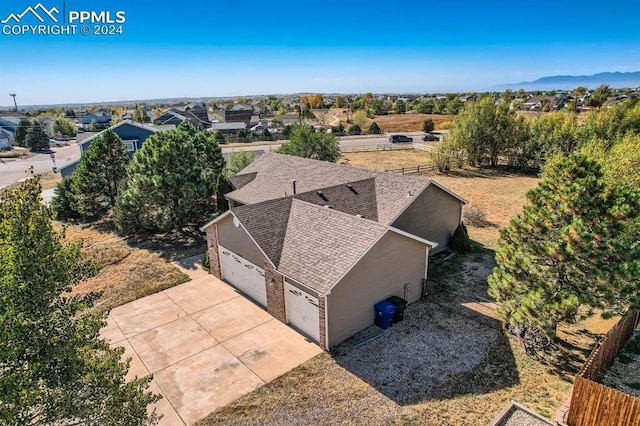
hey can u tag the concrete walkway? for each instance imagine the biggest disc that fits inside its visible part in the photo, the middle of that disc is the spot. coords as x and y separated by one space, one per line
205 344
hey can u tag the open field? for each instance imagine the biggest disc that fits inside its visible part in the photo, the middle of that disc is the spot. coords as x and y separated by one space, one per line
469 381
130 269
397 123
498 192
386 160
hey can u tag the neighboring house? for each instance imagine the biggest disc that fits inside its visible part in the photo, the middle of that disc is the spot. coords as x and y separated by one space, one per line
102 119
132 134
47 125
9 123
6 139
241 107
318 243
227 128
175 117
237 116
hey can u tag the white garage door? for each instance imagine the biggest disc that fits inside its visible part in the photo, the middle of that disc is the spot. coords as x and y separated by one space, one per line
302 311
243 275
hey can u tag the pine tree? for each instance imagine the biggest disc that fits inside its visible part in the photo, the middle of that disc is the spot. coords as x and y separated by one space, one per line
62 203
567 253
55 368
97 179
22 129
172 182
37 139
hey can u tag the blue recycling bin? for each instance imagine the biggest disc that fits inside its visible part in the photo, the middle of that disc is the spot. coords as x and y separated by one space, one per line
384 314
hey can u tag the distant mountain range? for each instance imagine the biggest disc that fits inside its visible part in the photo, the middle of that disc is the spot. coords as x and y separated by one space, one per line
568 82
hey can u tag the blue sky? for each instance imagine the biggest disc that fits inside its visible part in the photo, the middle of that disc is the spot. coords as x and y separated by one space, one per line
213 48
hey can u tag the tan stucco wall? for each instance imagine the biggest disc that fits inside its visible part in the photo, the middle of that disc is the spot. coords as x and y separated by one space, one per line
434 216
238 241
382 272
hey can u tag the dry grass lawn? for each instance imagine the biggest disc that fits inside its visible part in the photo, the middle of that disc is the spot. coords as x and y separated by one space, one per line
129 269
387 160
322 391
395 123
498 192
49 180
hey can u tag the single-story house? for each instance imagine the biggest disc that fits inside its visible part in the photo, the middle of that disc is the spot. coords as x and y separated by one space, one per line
318 244
132 134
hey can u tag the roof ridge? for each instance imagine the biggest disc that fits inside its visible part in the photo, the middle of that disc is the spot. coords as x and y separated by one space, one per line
340 212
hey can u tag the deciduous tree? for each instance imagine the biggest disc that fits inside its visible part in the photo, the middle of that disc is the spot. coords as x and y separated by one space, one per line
566 253
599 96
140 115
549 133
62 126
55 368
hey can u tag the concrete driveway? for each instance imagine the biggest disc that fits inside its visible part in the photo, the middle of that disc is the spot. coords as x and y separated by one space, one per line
205 344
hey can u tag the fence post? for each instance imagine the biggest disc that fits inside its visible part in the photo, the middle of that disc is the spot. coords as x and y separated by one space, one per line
403 171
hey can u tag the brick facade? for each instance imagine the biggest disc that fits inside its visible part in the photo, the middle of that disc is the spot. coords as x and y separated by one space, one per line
212 247
323 331
274 282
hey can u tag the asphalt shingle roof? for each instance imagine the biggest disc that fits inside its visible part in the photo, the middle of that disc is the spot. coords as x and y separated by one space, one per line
336 215
322 244
275 173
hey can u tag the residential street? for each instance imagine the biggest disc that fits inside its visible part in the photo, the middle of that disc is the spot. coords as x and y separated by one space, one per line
12 170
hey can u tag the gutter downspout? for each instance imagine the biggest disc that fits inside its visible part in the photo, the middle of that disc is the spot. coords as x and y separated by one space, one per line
426 269
326 322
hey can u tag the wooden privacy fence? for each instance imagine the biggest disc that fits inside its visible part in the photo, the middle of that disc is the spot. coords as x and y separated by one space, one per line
593 404
609 346
378 147
598 405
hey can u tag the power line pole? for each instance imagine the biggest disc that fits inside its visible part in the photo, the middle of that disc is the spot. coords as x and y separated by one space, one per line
13 95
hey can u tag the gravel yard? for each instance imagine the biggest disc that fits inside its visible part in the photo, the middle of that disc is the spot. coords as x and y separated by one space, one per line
522 418
422 357
624 374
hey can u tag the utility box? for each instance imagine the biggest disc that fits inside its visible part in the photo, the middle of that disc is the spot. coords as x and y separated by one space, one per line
400 305
385 312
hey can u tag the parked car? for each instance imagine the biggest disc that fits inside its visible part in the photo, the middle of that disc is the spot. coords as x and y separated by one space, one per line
62 138
399 138
53 143
430 137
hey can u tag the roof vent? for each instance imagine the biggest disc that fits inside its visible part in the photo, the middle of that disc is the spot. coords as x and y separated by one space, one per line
321 195
410 194
352 188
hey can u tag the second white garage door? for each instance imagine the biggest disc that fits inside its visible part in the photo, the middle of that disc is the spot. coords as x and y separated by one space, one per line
243 275
302 311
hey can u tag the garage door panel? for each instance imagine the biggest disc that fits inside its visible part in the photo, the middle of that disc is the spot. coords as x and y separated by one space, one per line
243 275
302 311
